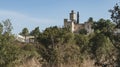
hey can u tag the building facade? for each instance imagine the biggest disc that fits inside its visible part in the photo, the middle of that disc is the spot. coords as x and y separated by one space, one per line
27 39
74 24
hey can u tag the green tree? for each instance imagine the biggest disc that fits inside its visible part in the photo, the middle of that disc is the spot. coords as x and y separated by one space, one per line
58 46
115 15
102 49
25 32
11 54
104 26
49 35
1 28
82 41
54 35
7 26
83 31
90 19
35 32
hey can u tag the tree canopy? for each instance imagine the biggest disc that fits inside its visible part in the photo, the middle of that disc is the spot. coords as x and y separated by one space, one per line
115 15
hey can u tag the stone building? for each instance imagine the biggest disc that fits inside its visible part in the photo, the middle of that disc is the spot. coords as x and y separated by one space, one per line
74 24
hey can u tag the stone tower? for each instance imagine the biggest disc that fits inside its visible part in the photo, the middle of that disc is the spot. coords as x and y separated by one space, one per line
69 23
72 16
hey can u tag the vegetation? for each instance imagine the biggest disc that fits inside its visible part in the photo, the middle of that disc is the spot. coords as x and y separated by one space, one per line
25 32
115 15
10 53
58 47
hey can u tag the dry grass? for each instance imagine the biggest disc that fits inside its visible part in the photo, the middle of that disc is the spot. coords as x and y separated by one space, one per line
87 63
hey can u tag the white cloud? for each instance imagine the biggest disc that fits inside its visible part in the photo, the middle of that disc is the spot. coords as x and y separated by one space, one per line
20 16
20 20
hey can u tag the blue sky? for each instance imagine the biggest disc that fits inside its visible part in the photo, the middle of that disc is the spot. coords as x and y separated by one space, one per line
45 13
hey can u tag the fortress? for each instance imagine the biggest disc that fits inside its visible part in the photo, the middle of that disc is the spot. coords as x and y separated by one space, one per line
74 24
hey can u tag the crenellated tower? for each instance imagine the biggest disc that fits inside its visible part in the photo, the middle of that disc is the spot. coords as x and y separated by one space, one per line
73 19
72 16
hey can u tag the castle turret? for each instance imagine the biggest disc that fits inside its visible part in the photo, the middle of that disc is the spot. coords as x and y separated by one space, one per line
77 17
72 16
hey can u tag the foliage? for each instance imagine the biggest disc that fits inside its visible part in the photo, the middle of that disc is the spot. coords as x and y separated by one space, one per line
83 42
35 32
10 53
102 48
90 19
54 35
1 28
59 45
104 26
13 55
25 32
7 26
56 46
115 15
83 31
